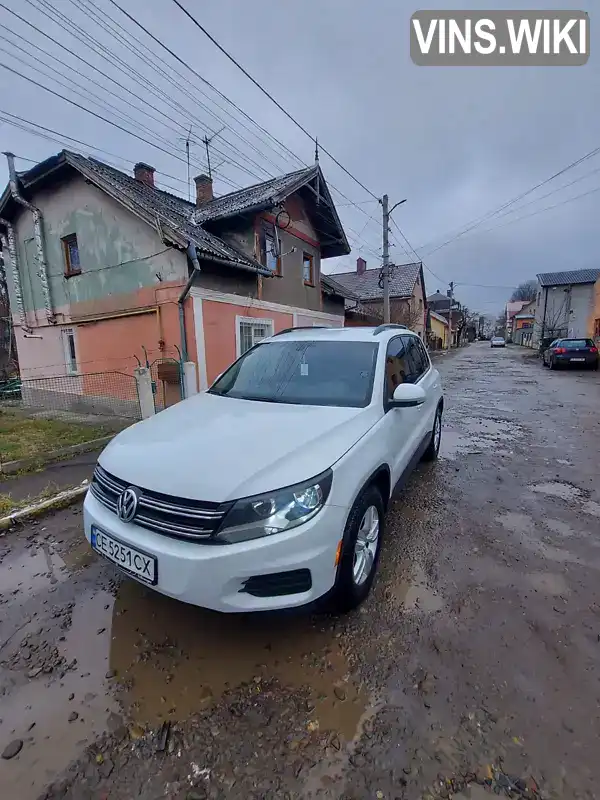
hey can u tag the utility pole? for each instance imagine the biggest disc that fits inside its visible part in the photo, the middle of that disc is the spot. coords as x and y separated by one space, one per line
451 298
386 254
386 260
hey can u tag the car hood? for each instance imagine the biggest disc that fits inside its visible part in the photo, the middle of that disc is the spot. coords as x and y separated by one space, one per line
215 448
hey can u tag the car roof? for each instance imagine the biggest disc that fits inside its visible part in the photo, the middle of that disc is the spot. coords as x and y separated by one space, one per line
352 334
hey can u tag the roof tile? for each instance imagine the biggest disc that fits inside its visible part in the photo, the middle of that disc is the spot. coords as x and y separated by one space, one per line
366 286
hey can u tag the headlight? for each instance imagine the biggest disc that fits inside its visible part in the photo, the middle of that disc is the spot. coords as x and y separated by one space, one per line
275 512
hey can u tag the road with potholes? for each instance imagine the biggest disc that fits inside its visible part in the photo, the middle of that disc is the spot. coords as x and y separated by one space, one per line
472 668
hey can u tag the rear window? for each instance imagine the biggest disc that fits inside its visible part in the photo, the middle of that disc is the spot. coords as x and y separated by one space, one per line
576 343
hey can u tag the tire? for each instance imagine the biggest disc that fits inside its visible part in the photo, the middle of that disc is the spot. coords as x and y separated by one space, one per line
595 366
433 448
552 365
349 592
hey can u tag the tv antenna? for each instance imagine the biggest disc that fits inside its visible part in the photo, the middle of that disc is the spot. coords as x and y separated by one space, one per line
207 141
188 141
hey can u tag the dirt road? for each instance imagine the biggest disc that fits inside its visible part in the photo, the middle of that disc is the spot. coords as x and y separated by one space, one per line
474 661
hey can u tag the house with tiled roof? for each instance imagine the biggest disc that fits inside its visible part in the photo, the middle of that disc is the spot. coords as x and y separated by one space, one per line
407 294
566 304
107 271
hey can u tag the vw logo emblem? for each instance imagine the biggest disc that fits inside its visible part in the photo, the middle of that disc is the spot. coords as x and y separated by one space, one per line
127 504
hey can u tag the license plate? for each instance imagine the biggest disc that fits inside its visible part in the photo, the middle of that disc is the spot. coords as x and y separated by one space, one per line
143 566
578 359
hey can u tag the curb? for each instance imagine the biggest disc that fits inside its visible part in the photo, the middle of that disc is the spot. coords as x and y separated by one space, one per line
60 500
56 455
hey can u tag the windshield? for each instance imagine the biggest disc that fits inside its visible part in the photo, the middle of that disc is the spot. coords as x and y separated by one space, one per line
320 373
571 343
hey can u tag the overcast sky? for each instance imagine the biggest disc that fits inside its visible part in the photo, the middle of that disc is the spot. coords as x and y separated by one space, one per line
456 142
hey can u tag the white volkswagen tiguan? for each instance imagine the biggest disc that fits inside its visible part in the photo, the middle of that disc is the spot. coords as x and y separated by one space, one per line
269 490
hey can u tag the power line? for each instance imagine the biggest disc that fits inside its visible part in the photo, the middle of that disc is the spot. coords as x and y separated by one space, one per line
554 191
114 31
112 57
95 47
479 220
204 80
419 258
101 17
542 210
270 96
227 99
89 111
28 126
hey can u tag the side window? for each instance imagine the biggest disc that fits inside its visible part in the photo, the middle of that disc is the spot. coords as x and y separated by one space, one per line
395 366
424 355
415 366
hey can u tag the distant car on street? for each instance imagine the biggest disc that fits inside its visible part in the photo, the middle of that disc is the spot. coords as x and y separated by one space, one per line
571 353
497 341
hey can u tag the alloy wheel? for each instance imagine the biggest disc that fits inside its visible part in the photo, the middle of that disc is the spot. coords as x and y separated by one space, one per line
365 548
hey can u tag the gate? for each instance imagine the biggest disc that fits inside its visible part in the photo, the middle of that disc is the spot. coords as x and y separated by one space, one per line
167 382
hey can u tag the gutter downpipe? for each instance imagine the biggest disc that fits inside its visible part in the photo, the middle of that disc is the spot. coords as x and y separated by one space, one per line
193 259
38 233
9 245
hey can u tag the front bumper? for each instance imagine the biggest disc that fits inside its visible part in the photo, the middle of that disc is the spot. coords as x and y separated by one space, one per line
214 576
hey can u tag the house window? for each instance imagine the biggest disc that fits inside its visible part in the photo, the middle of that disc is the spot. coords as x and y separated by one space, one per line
308 269
272 260
597 328
71 254
70 351
250 331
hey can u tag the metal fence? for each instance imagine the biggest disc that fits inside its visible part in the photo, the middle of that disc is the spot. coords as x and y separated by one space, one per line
110 394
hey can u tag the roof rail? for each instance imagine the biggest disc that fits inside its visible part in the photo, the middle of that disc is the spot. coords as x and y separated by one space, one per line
380 328
299 328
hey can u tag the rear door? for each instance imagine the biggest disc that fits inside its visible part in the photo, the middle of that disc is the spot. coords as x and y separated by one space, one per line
426 376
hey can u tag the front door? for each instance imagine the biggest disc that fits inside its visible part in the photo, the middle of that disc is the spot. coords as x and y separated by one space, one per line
402 425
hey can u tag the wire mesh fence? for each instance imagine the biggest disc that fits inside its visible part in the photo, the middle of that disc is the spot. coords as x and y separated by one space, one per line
109 394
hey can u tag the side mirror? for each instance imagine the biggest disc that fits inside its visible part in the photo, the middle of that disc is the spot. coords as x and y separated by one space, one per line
408 395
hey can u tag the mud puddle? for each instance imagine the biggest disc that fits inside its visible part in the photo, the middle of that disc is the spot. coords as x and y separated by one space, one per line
414 594
455 444
29 570
174 660
562 490
56 717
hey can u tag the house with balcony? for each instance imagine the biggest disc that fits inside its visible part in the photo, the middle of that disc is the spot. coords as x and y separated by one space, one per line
106 272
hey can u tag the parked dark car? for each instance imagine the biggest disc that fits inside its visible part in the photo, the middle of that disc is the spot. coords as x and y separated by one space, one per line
571 353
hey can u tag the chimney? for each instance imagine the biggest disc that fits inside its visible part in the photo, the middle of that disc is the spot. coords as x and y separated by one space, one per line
204 189
361 266
144 173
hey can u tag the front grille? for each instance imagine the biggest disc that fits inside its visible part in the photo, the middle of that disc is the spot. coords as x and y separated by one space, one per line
278 584
171 516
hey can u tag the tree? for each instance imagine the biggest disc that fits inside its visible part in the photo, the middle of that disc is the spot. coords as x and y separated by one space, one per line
525 291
